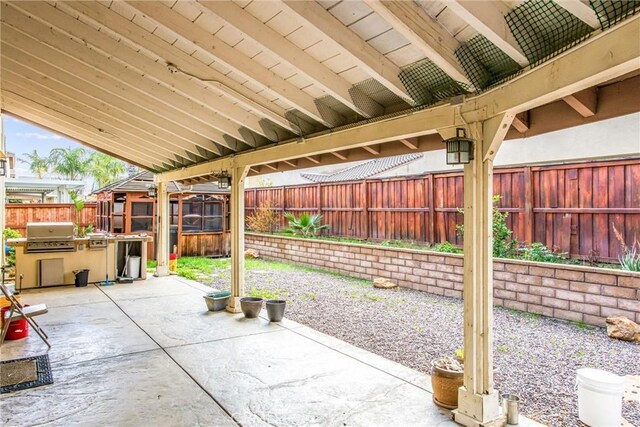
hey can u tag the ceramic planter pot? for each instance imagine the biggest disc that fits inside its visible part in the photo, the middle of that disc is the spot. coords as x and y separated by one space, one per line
251 306
275 309
445 385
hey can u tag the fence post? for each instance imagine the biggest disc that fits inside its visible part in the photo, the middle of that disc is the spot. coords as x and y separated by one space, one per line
319 195
364 197
528 205
430 231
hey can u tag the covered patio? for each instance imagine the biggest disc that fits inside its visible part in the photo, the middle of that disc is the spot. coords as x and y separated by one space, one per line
201 91
149 353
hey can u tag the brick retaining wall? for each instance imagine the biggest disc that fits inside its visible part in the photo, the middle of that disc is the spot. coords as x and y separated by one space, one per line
567 292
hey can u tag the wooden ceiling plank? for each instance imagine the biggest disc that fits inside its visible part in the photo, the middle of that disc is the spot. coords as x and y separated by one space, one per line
414 24
584 102
487 18
288 53
270 166
339 155
46 80
217 112
373 149
80 59
349 43
48 97
580 10
70 127
192 33
314 159
292 163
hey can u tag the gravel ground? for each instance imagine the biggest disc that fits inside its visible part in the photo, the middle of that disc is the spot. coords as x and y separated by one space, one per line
535 357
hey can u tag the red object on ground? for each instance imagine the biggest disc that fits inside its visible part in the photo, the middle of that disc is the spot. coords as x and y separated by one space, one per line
18 328
173 256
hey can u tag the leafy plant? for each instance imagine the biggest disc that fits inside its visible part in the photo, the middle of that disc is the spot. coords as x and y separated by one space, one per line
447 247
264 219
9 233
504 246
630 258
78 204
38 165
305 225
105 169
70 163
537 251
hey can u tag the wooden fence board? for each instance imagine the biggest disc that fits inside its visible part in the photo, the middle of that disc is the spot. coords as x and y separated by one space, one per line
19 214
571 207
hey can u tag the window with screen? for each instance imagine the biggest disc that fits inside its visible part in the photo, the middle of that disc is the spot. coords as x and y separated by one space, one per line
103 216
118 213
202 213
141 216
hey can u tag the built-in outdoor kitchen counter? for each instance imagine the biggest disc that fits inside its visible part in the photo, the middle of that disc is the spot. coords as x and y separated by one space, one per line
50 254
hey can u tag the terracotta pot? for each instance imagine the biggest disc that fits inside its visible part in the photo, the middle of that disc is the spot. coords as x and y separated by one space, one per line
445 385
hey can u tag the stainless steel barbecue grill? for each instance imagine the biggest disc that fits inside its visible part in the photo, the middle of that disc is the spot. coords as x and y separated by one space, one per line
50 237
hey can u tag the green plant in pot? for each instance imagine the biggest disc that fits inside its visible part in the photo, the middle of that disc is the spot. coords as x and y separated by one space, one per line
447 376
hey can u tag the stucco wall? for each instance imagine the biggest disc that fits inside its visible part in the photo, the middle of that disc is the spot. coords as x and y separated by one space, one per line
581 294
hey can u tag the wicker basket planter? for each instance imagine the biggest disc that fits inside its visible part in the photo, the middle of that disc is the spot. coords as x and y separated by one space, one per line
445 385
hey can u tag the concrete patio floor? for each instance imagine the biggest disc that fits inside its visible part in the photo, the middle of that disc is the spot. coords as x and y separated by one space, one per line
149 353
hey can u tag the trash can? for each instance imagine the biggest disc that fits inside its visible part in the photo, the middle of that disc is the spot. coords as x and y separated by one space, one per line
133 267
82 277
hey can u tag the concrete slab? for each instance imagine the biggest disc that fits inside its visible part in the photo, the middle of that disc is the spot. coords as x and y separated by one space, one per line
152 287
144 389
63 296
184 319
82 332
286 379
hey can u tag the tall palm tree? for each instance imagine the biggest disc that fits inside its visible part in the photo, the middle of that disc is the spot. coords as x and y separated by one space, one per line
70 163
38 165
105 169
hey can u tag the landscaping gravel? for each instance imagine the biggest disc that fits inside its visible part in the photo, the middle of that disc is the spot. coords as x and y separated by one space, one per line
535 357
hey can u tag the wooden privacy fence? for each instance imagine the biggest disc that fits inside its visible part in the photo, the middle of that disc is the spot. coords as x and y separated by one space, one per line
19 214
571 207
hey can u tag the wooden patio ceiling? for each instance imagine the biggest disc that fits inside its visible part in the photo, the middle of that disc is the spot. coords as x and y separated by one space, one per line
168 85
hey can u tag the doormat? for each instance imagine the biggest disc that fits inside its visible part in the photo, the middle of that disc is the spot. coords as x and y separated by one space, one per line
20 374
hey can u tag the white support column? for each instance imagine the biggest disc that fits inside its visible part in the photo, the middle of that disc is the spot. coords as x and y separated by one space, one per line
477 400
238 176
162 225
3 149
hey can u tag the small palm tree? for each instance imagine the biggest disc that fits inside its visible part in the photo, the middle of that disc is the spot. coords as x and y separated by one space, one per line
38 165
70 163
105 169
305 225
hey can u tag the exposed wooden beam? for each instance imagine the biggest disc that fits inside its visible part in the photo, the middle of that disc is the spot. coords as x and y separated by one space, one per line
291 55
580 10
192 33
373 149
349 43
61 51
487 18
597 60
292 163
409 144
208 108
271 166
313 159
584 102
413 22
521 122
74 127
339 155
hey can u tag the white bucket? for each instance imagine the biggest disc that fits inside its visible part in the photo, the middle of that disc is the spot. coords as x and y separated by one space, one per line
133 267
599 397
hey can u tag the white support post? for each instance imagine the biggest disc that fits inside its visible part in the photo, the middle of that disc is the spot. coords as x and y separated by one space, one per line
3 149
477 400
162 224
238 176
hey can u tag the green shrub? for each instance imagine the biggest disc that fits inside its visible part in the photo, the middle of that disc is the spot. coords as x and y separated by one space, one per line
630 258
538 252
305 225
447 248
10 233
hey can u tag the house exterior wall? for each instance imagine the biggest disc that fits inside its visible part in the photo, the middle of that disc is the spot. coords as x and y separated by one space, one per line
613 138
579 294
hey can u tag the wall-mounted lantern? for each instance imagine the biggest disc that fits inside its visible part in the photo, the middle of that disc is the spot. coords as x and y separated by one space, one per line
151 191
3 164
459 148
224 181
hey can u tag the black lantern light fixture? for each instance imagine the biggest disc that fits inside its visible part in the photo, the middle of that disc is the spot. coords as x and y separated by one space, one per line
151 191
459 148
224 181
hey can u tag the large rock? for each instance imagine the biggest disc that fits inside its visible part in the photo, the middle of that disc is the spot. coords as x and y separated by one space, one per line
381 282
623 329
251 254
